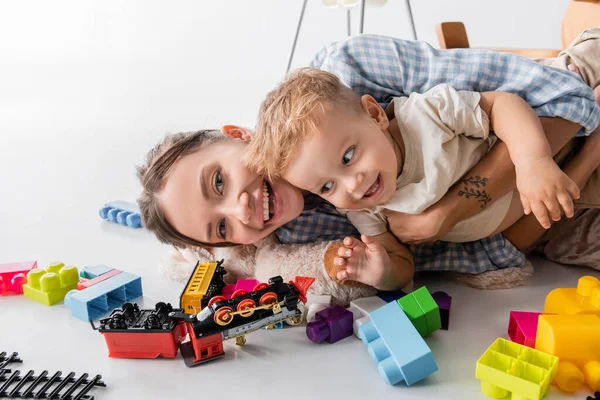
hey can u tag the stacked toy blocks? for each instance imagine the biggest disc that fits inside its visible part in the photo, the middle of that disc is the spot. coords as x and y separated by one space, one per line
102 290
331 324
122 212
510 368
362 309
585 299
49 286
14 275
396 346
422 310
522 327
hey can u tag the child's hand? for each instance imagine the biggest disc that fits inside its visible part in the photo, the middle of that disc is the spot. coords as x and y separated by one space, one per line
365 261
544 189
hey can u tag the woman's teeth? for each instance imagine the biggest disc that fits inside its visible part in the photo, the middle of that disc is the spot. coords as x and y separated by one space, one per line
265 202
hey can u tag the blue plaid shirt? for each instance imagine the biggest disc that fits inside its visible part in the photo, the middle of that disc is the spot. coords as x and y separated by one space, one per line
385 68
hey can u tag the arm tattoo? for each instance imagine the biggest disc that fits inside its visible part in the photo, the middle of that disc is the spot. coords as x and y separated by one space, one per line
480 194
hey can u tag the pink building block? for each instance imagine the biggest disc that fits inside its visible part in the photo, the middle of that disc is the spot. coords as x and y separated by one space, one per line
522 327
243 284
14 275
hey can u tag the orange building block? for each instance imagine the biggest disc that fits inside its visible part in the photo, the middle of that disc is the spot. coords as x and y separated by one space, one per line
585 299
575 340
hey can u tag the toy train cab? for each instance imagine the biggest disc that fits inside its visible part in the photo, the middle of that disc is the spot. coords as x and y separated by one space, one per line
243 313
206 281
133 333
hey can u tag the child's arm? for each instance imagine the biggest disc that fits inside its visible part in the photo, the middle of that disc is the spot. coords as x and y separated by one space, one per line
380 261
540 181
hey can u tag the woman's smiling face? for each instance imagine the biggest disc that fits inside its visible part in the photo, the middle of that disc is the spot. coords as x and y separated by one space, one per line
210 196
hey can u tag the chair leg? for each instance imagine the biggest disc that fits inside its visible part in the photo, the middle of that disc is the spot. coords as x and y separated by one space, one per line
362 15
291 56
412 21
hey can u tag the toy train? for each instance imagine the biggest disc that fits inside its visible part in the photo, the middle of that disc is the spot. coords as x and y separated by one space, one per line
206 281
133 333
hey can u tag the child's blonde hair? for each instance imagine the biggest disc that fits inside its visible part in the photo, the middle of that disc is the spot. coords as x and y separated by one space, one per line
153 174
291 112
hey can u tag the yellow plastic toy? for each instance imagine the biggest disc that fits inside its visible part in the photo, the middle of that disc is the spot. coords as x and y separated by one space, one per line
508 367
199 285
585 299
575 340
50 286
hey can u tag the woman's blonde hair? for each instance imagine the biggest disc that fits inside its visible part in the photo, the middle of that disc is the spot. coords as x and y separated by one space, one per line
152 174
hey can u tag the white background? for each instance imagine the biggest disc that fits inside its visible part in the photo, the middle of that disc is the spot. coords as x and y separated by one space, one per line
86 87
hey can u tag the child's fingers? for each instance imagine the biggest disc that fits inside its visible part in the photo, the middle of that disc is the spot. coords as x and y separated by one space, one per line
342 275
339 261
541 213
344 252
553 208
567 204
351 242
371 243
526 205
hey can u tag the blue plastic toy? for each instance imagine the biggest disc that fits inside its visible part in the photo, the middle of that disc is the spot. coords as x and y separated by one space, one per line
396 346
122 212
104 296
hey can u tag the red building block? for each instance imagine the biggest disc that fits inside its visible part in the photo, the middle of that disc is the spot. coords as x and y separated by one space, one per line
14 275
522 327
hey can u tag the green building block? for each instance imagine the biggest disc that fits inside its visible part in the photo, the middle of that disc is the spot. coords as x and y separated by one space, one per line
50 286
414 313
430 309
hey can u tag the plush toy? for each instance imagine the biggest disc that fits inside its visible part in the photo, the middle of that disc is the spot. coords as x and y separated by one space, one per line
269 258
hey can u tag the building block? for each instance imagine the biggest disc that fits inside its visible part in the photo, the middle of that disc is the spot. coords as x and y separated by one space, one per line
510 368
93 302
422 311
444 301
574 339
86 283
94 271
389 296
331 324
50 286
362 308
14 275
522 327
247 285
585 299
314 304
396 346
123 213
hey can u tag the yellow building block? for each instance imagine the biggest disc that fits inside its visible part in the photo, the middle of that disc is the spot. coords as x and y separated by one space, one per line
575 340
584 299
510 368
50 286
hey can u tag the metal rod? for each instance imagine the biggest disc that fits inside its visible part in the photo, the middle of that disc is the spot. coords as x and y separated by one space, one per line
412 21
362 15
349 28
291 56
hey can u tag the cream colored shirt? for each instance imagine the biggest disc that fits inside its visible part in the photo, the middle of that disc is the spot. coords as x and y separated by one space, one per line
445 133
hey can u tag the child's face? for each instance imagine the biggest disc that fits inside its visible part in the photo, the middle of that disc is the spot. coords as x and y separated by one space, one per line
351 162
210 196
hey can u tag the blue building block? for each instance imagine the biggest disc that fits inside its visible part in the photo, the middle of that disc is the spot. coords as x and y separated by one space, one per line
94 271
122 212
390 296
396 346
92 303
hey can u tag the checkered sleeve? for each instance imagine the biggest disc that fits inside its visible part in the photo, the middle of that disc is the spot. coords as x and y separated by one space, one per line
386 67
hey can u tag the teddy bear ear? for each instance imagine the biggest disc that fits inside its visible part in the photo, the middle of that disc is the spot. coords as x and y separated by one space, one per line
237 132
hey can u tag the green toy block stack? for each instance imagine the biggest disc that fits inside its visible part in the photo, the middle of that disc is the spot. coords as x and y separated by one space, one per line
422 310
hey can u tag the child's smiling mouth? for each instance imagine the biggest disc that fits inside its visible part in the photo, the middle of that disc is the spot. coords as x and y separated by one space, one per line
375 188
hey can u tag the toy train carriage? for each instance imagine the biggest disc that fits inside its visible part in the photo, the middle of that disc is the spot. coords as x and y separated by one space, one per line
149 333
206 281
243 313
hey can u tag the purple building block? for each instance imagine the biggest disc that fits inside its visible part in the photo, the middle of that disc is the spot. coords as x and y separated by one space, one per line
332 324
443 301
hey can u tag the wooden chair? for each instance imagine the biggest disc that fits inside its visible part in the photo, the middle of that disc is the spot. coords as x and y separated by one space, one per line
580 15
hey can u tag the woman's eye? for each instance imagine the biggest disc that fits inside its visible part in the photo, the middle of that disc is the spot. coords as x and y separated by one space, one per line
221 232
348 156
218 182
326 187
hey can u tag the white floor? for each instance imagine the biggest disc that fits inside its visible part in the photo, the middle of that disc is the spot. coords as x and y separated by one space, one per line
276 363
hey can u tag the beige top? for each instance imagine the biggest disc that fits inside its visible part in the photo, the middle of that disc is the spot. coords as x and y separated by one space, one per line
445 133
